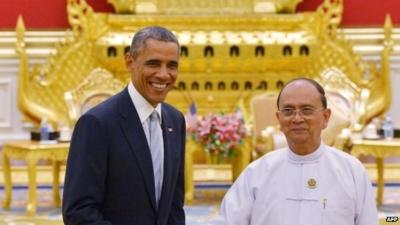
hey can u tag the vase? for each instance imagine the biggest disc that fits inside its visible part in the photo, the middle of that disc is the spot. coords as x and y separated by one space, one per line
216 159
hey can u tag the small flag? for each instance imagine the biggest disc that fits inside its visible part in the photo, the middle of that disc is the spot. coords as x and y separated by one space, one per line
241 110
193 109
239 114
192 116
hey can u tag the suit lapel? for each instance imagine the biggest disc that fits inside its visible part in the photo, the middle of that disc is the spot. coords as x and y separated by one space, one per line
133 130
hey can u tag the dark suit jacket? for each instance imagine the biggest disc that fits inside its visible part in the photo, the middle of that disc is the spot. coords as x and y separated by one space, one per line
109 177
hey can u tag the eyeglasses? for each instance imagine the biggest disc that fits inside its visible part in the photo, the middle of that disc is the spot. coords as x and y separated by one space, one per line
304 112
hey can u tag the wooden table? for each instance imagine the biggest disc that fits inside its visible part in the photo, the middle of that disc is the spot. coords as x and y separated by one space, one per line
32 151
379 149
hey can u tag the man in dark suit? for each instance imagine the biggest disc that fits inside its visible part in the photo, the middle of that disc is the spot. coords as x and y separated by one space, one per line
125 164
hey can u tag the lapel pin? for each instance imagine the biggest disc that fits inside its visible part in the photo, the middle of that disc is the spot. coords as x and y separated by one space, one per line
312 183
170 129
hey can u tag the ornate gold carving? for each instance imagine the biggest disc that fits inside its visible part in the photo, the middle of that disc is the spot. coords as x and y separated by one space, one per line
123 6
276 6
226 60
98 86
84 21
204 6
332 11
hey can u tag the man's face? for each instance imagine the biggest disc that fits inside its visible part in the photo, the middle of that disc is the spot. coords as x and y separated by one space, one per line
154 70
302 128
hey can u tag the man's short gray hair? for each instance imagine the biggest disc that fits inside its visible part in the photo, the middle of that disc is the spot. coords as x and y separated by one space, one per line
153 32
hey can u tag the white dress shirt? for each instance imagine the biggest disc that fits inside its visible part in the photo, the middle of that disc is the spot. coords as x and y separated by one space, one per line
144 110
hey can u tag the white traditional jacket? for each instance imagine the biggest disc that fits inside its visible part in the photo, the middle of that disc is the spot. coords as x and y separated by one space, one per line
326 187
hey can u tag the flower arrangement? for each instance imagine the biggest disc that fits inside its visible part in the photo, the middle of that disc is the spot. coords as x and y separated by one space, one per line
220 134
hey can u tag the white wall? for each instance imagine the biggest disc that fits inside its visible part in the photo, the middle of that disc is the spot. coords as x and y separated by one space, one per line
11 126
394 111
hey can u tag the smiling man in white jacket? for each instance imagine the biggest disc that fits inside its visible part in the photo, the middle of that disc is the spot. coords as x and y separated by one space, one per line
307 183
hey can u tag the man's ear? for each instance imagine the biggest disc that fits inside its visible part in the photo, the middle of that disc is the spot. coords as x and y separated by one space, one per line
128 59
327 114
278 117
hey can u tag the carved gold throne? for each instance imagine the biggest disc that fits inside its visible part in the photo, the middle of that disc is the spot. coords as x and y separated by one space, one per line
350 105
95 88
